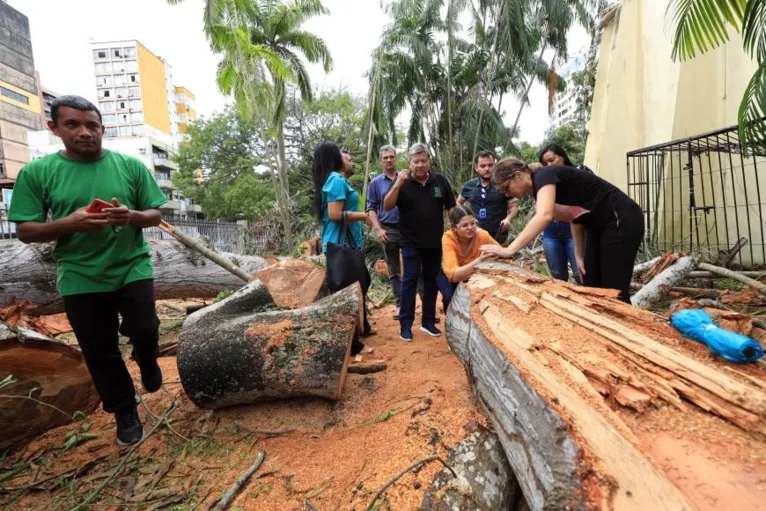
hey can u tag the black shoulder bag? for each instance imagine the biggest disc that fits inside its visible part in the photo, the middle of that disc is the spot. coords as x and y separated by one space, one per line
345 264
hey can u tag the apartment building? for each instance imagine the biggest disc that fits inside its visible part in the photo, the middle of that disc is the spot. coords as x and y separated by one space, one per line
185 109
565 102
46 97
19 100
141 110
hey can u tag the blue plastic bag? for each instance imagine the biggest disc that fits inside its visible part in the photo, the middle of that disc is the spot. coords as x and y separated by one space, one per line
698 325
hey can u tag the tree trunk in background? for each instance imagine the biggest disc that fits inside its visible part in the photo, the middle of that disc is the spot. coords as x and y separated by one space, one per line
29 274
284 187
56 369
267 354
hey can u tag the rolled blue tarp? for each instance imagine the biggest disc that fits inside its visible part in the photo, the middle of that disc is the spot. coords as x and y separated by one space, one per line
698 325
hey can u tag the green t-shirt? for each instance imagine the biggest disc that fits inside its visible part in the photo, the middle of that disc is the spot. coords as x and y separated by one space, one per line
90 262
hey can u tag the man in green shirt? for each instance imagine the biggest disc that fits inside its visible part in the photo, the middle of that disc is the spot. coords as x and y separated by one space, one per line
103 263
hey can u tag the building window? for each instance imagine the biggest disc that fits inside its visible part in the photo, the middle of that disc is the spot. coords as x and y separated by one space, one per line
8 93
105 93
133 78
129 51
111 132
118 66
121 92
124 131
106 106
105 81
134 92
103 67
135 104
137 117
161 174
100 54
108 119
119 79
138 130
131 65
121 105
124 119
117 53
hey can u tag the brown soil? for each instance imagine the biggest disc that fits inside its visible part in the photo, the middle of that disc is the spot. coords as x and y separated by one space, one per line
336 454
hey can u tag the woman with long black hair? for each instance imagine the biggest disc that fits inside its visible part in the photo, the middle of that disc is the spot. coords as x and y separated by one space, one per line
336 206
613 221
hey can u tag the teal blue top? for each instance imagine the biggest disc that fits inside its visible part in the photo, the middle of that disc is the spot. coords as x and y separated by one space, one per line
336 188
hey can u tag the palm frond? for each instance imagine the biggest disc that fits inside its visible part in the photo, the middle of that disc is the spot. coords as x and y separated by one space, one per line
702 24
312 46
752 113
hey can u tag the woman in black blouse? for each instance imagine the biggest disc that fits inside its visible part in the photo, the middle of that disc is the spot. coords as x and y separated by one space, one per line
613 221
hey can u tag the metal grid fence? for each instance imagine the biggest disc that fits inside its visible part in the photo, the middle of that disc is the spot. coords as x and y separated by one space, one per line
702 194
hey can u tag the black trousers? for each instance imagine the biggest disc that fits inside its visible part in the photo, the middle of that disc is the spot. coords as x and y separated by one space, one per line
96 324
610 250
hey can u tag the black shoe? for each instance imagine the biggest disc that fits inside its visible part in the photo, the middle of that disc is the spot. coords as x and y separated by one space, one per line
129 428
151 375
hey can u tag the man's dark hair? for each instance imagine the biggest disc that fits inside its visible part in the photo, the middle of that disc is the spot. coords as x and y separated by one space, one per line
483 154
76 102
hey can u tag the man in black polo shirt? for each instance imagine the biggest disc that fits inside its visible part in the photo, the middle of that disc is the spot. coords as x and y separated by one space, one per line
492 208
422 197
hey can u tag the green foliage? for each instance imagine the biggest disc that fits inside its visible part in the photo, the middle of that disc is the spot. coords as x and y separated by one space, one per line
701 25
571 137
232 155
222 295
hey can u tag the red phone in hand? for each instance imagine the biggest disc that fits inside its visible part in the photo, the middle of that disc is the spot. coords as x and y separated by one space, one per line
98 205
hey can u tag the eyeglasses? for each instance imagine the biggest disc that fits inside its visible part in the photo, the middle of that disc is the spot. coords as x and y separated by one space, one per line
467 225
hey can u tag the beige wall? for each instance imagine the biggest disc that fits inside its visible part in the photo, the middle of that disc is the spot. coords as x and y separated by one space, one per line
643 98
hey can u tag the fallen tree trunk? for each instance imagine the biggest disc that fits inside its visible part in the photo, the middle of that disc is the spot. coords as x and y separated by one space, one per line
51 384
571 379
29 274
659 286
642 267
238 351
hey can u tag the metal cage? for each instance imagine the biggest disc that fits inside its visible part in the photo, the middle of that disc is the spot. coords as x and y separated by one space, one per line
702 194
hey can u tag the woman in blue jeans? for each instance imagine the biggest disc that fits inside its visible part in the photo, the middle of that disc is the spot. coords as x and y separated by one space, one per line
558 244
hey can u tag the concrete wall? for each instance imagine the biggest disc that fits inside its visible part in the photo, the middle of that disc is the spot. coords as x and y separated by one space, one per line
643 98
154 93
16 44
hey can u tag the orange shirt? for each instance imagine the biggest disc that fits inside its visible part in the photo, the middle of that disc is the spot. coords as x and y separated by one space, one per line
453 256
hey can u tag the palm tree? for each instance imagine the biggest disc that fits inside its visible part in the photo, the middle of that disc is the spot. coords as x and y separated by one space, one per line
703 24
263 48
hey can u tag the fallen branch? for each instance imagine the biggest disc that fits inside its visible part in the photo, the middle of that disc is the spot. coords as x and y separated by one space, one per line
367 367
223 502
729 274
398 476
658 287
37 485
693 291
641 268
711 275
264 432
86 503
725 257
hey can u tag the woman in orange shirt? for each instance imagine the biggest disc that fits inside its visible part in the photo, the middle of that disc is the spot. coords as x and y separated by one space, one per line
460 250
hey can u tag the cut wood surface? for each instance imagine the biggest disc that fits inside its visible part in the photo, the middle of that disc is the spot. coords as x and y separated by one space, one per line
49 372
673 272
29 274
237 351
596 401
293 283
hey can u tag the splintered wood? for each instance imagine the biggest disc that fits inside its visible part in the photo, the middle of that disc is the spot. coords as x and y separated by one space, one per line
621 379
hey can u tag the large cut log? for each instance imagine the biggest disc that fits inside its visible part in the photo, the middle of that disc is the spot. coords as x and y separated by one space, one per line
29 274
238 351
52 383
294 283
572 380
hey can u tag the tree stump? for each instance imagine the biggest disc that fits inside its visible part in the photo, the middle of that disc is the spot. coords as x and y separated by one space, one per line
238 351
29 274
48 371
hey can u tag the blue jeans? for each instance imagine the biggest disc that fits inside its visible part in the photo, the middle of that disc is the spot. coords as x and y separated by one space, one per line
416 261
558 246
446 288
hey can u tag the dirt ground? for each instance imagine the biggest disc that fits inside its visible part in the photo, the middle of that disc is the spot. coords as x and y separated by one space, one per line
329 455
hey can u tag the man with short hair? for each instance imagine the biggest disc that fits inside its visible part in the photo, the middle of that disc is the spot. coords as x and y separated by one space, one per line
422 197
490 206
103 263
386 222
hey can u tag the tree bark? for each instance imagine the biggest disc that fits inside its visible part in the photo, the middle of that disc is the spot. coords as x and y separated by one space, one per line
240 350
559 369
59 373
660 285
29 274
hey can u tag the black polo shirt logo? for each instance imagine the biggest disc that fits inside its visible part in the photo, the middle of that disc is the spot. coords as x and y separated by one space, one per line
437 192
